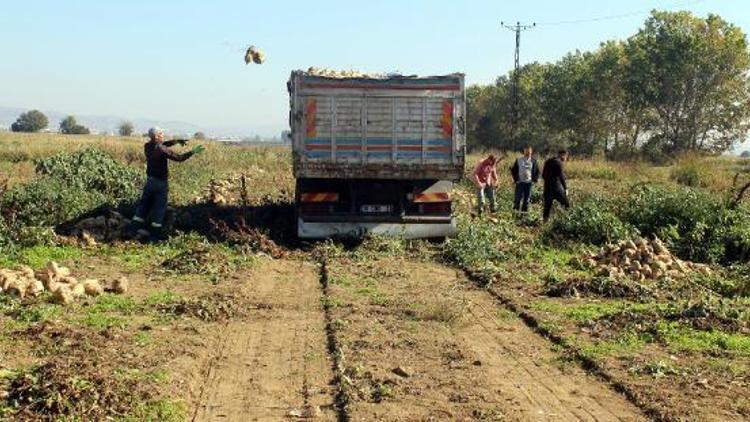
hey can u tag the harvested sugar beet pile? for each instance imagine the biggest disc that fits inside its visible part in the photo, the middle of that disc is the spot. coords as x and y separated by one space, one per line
642 260
235 190
25 282
222 191
103 228
343 74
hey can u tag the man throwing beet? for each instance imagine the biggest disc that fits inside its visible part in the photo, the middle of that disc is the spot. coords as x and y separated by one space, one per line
485 177
555 188
153 204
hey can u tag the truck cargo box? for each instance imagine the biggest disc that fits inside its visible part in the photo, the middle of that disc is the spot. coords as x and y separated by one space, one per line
395 127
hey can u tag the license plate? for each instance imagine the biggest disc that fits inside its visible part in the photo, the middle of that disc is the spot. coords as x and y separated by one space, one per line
376 209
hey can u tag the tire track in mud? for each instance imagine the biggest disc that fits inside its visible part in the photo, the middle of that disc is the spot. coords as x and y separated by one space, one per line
334 346
208 373
586 362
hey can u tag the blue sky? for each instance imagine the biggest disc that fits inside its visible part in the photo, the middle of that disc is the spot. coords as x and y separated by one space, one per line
183 60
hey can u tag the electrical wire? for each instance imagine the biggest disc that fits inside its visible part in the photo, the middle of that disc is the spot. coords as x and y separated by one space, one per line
620 16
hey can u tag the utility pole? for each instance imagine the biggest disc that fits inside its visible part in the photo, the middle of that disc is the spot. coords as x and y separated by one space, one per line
517 28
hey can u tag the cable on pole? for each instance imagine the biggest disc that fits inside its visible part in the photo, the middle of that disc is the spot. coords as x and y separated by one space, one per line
517 28
683 3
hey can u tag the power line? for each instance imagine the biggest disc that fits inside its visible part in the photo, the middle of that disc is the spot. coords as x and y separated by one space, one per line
622 15
517 28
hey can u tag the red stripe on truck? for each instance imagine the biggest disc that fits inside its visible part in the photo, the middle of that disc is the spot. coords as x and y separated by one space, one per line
313 147
348 147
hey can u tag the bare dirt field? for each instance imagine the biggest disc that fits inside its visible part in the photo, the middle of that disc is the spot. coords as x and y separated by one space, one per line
421 342
273 363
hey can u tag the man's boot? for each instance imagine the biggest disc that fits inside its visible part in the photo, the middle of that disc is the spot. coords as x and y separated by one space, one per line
157 233
136 225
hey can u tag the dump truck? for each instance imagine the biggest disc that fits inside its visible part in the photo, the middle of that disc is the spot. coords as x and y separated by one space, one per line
376 154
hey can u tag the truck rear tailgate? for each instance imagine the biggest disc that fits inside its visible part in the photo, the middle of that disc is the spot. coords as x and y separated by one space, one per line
395 128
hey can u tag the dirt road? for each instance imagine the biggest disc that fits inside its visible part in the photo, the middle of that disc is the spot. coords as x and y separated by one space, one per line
523 370
274 364
465 357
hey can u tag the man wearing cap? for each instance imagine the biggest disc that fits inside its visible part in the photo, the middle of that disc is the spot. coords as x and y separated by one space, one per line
156 190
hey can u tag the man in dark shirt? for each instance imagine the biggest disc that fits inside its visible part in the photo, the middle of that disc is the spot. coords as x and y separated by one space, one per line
156 190
555 188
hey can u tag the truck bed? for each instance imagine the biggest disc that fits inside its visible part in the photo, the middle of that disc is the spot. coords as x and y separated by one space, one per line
378 128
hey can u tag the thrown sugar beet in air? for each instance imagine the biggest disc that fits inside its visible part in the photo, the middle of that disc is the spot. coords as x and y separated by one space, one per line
254 55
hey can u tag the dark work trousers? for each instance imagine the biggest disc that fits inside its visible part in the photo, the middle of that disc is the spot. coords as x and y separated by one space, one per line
153 202
551 194
523 196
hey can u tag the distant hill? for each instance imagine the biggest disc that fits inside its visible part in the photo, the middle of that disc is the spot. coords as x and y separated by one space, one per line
8 115
104 124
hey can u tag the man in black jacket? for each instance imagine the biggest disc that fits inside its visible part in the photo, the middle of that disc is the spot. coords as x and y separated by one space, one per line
156 190
525 173
555 188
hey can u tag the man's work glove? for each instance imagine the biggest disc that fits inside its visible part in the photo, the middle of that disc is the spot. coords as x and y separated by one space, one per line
198 149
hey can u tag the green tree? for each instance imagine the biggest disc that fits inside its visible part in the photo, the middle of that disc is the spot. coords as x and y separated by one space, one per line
480 121
619 122
199 136
126 129
692 73
30 121
584 103
565 95
532 127
69 126
678 84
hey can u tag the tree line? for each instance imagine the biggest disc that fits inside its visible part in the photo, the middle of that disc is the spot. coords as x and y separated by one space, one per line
35 121
679 84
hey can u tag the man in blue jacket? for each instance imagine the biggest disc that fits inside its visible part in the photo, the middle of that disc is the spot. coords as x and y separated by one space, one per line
525 173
